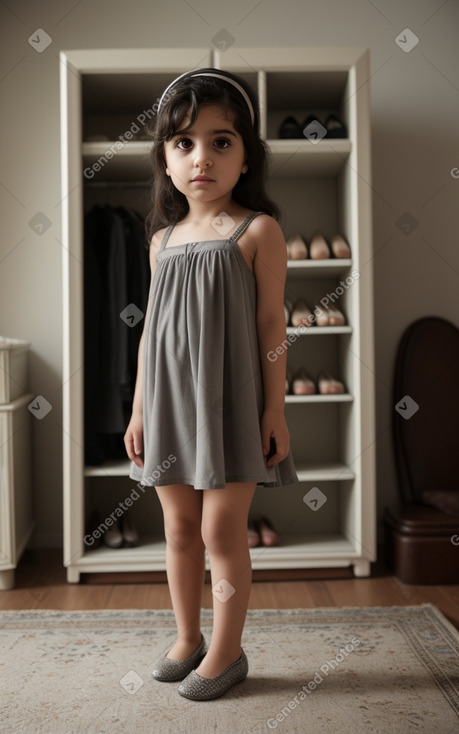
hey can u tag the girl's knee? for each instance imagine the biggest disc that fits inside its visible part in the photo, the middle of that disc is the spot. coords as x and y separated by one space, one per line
223 539
182 512
182 531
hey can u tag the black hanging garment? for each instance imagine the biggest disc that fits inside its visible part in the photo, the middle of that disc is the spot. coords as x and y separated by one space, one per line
116 273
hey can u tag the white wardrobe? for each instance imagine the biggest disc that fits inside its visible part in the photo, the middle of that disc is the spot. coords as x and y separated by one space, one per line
322 185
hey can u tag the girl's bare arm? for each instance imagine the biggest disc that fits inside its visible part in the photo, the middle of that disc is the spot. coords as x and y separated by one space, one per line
133 438
270 270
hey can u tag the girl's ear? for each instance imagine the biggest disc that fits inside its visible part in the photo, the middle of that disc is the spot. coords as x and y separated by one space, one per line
245 168
168 172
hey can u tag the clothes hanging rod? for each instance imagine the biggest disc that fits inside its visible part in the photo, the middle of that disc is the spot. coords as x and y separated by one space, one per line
117 184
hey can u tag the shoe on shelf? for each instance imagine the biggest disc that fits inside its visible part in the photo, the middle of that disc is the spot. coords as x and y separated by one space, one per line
296 247
253 535
321 315
328 385
288 308
268 535
318 247
307 121
290 129
203 689
302 314
94 522
335 127
129 531
335 317
339 246
302 383
329 315
171 670
113 537
288 380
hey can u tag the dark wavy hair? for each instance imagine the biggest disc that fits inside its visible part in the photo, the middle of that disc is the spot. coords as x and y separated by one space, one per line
168 205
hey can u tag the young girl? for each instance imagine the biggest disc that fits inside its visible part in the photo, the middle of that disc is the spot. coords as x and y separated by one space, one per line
208 409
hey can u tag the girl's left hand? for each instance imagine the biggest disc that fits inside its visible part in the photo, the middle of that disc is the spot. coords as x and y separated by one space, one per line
273 425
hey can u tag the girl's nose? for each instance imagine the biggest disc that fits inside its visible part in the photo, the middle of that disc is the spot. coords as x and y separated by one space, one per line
202 159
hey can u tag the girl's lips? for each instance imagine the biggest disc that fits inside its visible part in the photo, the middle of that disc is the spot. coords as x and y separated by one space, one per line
202 180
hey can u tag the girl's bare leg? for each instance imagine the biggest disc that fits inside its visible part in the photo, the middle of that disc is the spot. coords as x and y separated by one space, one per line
224 532
182 508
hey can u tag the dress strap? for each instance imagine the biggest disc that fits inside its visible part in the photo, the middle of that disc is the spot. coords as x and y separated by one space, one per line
166 236
243 225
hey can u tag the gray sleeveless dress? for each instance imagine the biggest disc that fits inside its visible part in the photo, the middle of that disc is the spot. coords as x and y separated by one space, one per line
202 379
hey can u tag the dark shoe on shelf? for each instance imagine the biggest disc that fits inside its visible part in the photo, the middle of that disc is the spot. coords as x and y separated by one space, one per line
129 531
203 689
171 670
318 127
290 129
335 127
93 524
113 537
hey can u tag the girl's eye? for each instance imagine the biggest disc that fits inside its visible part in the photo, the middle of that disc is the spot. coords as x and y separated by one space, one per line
219 141
223 140
178 143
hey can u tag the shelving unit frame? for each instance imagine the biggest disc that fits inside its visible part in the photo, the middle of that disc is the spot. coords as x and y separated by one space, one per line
324 186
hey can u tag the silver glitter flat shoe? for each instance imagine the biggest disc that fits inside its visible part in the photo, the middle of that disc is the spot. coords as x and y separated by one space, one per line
203 689
171 670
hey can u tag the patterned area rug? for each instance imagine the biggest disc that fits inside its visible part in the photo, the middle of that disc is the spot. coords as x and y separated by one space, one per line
374 670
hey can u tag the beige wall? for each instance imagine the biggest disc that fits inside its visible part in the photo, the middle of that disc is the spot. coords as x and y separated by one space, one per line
415 112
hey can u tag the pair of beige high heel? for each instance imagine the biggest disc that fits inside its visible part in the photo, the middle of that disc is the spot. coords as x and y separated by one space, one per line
301 314
301 383
319 249
261 531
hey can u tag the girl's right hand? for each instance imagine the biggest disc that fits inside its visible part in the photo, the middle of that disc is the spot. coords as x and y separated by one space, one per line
133 439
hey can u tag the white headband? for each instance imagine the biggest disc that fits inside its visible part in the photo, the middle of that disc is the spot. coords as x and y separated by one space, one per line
219 76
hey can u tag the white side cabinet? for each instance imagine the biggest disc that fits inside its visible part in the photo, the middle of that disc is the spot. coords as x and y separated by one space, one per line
322 185
16 502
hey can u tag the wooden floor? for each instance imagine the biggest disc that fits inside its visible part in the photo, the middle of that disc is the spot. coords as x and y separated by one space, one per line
41 584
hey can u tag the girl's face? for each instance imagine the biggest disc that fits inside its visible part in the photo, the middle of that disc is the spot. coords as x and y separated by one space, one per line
211 148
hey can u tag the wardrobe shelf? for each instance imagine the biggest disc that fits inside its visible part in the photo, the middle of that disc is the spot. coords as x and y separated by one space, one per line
110 468
318 330
304 550
289 158
131 162
295 550
330 471
317 268
326 472
134 148
338 398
